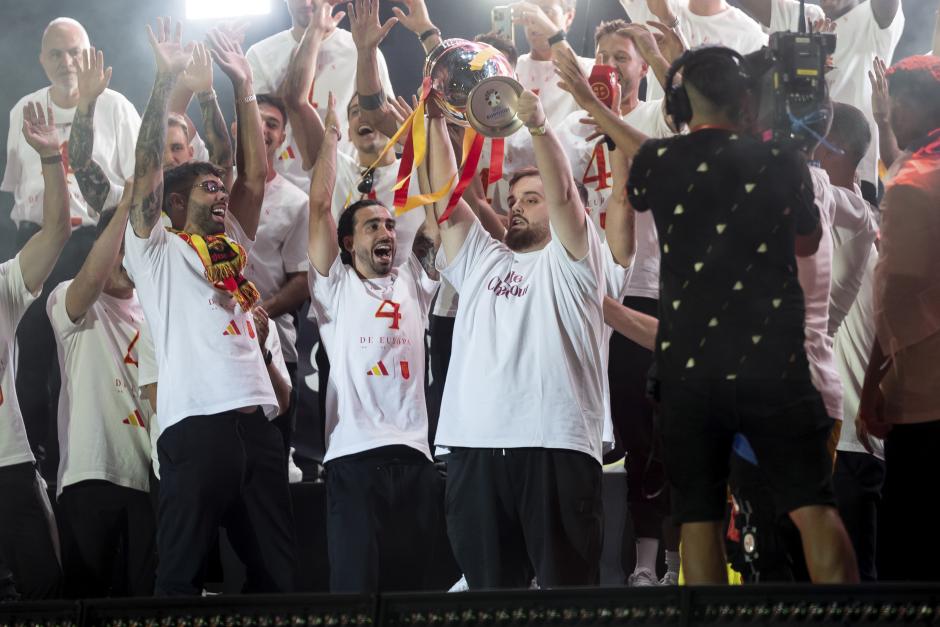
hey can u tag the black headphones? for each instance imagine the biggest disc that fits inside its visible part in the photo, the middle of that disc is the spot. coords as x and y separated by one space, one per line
678 105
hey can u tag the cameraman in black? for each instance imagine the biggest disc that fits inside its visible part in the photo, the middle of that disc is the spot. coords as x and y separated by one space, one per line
732 214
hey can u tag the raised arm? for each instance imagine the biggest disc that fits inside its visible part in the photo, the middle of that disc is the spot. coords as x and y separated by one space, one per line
621 219
93 79
442 170
198 80
301 71
104 256
885 11
251 161
41 252
531 16
565 210
881 111
147 197
322 247
574 82
419 22
368 33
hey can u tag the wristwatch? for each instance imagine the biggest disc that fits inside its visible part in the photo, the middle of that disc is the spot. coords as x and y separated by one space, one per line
538 131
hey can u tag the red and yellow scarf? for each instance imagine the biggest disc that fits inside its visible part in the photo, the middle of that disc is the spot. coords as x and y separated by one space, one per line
223 260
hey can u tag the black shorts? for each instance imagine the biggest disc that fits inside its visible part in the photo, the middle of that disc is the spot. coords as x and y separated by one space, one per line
784 421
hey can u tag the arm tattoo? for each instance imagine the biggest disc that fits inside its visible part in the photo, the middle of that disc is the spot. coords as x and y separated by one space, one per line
92 181
148 156
94 185
82 137
217 138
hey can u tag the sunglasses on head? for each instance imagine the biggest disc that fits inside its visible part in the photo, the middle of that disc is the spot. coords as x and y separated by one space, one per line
211 187
368 180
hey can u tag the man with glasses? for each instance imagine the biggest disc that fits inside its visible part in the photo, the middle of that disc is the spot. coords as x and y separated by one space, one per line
221 460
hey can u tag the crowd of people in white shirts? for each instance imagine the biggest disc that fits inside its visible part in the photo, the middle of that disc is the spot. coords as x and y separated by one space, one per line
167 321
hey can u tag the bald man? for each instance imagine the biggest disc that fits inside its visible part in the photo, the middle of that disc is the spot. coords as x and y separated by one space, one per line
116 123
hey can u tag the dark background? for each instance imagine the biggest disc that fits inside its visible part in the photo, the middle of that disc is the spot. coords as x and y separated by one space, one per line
118 28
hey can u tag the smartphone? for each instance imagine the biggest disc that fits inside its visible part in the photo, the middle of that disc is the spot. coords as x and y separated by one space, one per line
501 22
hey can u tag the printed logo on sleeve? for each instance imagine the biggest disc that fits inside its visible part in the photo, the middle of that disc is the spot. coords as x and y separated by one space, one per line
232 329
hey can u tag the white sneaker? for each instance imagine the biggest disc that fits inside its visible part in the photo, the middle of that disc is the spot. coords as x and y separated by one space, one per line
670 579
642 577
294 474
460 586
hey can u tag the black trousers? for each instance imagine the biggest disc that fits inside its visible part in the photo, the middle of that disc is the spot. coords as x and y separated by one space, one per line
908 542
632 414
857 481
114 550
26 543
510 511
37 373
441 340
224 470
385 508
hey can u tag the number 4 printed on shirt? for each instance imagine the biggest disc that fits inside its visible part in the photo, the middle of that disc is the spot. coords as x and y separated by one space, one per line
389 309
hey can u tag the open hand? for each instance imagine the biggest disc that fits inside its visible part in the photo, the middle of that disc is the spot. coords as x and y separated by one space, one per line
229 56
880 100
93 77
168 51
530 109
323 20
416 19
198 74
39 130
573 79
235 30
364 24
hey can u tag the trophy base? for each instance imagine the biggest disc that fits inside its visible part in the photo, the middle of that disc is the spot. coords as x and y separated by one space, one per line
492 105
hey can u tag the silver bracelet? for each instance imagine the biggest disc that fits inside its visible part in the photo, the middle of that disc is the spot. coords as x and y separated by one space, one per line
248 99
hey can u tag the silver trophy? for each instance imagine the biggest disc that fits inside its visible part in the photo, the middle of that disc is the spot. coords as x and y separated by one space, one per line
474 85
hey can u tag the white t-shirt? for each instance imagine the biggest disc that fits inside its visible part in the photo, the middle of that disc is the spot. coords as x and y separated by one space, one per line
208 356
373 332
815 274
853 344
785 16
348 173
859 40
732 28
103 422
540 78
854 230
148 372
116 125
336 70
526 368
590 163
14 299
280 248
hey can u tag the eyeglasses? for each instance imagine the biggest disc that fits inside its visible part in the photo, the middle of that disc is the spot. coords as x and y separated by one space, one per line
212 187
368 180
